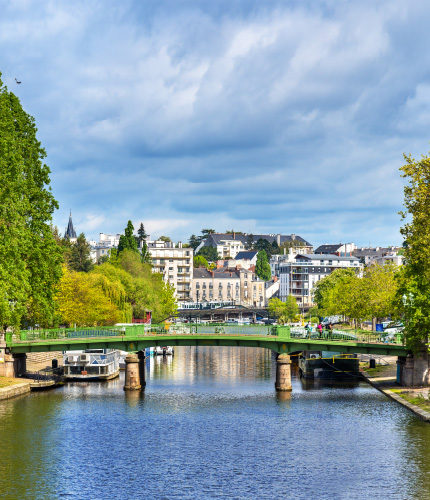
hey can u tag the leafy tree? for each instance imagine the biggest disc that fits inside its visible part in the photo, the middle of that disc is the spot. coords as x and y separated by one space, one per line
200 261
414 280
283 311
209 253
207 232
78 257
30 259
379 286
127 241
88 299
263 244
323 288
164 238
262 267
295 244
145 256
232 232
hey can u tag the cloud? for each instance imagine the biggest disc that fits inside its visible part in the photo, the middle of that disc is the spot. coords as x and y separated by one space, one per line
261 116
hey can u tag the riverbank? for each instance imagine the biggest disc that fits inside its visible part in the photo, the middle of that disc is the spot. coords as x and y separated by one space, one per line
11 387
384 378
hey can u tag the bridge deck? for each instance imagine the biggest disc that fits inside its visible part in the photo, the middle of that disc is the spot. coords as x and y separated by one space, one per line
279 339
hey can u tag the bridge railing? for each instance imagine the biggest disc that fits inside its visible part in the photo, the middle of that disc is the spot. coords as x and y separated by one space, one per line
64 333
352 335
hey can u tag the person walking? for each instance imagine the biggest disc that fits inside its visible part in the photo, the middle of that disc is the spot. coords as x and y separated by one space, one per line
308 329
319 329
330 330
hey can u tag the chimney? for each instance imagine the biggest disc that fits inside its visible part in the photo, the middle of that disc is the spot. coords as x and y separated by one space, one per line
293 237
234 235
231 275
278 239
212 273
179 244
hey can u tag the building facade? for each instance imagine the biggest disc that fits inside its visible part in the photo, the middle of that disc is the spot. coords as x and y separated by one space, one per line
175 263
220 285
299 276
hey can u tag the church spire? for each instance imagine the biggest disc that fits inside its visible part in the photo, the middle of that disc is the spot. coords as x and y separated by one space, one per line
70 231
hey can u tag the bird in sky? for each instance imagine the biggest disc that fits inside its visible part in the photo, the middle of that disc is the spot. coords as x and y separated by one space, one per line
17 81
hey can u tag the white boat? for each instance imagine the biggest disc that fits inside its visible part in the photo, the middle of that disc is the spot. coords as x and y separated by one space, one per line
163 351
91 364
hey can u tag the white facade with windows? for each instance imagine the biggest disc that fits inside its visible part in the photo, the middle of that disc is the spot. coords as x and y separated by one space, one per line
175 263
298 277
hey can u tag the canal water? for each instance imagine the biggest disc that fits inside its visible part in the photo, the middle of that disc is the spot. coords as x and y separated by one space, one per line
210 425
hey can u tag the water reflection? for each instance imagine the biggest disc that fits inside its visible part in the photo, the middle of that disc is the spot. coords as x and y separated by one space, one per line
209 424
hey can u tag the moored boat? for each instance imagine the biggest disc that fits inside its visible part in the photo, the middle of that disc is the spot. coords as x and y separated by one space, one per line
91 364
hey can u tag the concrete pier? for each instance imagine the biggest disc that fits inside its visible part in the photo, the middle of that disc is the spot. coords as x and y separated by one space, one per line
414 371
14 365
283 373
132 375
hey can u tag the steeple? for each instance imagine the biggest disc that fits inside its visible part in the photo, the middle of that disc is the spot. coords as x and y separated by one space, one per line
70 232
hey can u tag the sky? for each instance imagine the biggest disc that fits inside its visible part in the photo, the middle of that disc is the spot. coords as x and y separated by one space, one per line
262 117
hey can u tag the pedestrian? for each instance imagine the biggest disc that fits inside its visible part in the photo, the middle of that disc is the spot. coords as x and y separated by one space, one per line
330 330
319 328
308 329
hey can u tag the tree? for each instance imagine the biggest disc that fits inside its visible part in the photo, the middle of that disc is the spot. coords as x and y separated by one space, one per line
323 288
200 261
145 256
79 256
87 299
262 267
164 238
127 241
209 253
379 286
194 241
30 259
207 232
141 234
249 242
283 311
414 280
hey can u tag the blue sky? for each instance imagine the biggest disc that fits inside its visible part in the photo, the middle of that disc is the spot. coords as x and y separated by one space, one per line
266 117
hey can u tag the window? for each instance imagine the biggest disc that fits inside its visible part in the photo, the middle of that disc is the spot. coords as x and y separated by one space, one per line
197 285
187 253
170 268
161 261
170 260
246 275
204 286
179 269
246 283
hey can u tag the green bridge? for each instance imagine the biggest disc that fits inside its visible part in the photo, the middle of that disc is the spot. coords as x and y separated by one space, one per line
135 339
281 339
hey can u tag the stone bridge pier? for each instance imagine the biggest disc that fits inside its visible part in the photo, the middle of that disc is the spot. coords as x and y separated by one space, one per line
283 373
15 365
135 371
413 371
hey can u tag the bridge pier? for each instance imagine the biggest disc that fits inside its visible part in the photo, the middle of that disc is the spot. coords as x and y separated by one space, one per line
283 373
132 373
15 365
414 371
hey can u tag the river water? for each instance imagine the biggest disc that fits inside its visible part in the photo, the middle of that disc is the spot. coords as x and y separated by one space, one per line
210 425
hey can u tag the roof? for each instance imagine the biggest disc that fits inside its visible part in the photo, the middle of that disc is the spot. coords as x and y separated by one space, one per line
215 239
249 255
328 248
70 232
318 256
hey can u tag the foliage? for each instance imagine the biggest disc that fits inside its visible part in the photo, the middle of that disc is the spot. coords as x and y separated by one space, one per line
144 289
323 289
88 299
194 241
289 244
145 256
262 267
209 253
283 311
249 242
127 241
200 261
263 244
78 255
30 259
141 233
413 297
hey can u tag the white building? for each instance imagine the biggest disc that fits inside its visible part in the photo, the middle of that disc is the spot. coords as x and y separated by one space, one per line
176 265
109 240
298 277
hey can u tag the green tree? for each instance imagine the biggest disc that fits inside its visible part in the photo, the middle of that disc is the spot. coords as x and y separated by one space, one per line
413 294
30 259
283 311
262 267
209 253
249 242
79 256
127 241
194 241
200 261
323 289
141 233
164 238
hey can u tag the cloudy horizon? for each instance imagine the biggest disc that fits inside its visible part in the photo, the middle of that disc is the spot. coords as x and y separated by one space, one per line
269 117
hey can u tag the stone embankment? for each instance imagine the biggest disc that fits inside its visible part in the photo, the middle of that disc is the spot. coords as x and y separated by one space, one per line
15 387
384 379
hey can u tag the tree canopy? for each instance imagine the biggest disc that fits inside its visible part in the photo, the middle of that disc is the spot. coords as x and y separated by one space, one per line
78 255
283 311
200 261
127 241
262 267
209 253
30 259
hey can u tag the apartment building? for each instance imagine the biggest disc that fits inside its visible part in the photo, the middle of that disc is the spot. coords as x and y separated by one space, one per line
175 263
298 276
229 245
226 284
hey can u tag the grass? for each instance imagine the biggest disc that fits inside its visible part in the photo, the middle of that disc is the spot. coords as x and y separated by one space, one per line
7 382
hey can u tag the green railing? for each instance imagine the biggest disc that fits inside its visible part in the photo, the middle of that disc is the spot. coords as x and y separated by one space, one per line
350 334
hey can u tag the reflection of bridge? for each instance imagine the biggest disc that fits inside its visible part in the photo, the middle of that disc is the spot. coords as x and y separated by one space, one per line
135 339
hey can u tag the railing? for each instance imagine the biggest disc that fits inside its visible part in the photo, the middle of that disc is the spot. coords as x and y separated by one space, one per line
145 330
55 374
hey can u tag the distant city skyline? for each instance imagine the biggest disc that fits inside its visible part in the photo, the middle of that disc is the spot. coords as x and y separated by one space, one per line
265 117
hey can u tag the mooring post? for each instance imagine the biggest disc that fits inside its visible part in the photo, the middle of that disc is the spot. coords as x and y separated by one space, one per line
283 373
132 376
